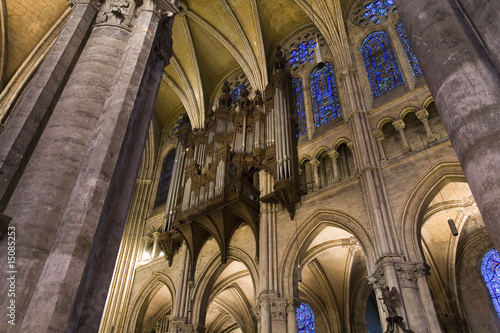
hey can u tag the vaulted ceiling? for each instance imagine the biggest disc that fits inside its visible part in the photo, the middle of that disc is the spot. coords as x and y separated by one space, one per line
212 39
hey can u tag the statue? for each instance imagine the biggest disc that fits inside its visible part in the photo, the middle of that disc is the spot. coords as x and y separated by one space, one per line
391 300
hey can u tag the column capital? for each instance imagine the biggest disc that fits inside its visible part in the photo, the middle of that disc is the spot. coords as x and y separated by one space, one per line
122 13
315 163
278 308
333 154
379 135
350 145
399 125
422 114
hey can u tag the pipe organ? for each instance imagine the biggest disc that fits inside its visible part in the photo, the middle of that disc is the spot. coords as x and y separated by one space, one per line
214 185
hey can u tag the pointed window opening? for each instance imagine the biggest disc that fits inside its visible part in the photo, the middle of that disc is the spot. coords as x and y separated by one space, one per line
380 63
166 175
490 268
301 110
410 55
325 99
305 319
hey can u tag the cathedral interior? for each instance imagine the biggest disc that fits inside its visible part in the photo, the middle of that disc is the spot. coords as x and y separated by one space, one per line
230 166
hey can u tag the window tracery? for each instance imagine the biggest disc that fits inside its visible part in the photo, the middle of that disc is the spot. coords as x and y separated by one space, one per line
380 62
305 319
324 95
373 11
301 110
166 175
410 55
490 268
302 54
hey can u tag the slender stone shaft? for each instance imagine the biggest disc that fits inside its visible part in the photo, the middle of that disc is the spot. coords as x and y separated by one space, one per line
465 82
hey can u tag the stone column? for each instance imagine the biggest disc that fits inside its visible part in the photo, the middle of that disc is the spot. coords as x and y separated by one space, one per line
30 115
406 283
156 237
70 204
399 125
334 155
423 116
455 53
315 165
379 138
291 316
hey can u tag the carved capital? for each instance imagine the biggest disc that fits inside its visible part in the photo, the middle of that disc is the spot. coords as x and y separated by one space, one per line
422 114
406 276
278 309
379 135
399 125
377 280
315 163
350 145
333 154
117 12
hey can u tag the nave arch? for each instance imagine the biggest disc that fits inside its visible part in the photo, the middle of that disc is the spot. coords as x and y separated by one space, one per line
154 301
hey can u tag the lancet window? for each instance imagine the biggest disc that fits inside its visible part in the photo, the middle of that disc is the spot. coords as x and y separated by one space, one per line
305 319
301 110
325 99
490 268
410 55
166 175
380 63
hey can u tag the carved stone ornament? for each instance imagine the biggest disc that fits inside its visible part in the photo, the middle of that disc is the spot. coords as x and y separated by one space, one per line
377 280
278 309
406 276
117 12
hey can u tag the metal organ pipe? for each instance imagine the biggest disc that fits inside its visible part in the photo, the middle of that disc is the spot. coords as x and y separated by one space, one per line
174 185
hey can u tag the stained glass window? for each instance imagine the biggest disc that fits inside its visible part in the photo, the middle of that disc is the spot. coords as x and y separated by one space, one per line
380 63
325 99
166 175
301 110
303 53
375 10
235 92
408 50
305 319
490 267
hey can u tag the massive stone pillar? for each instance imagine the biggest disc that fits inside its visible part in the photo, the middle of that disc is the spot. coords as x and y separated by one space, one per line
457 45
68 196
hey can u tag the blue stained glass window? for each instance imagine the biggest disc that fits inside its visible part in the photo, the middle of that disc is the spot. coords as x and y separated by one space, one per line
377 9
305 319
166 175
415 67
235 92
380 63
490 267
301 110
303 53
325 99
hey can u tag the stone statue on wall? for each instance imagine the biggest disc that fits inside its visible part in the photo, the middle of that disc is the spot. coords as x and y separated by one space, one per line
391 300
